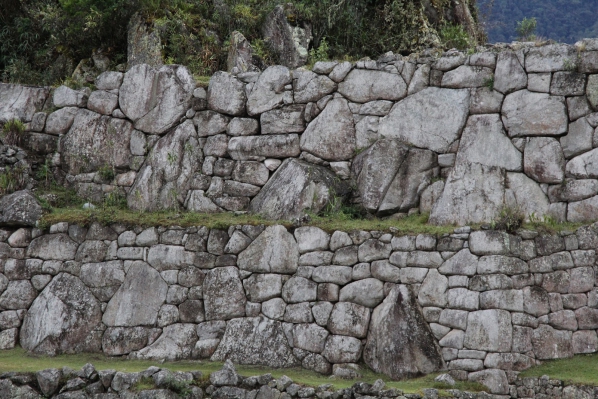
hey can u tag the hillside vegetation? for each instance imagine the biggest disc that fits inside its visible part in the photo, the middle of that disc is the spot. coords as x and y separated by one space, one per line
43 41
564 21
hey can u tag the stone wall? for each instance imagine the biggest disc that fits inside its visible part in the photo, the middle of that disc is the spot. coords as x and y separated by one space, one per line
460 136
481 304
228 384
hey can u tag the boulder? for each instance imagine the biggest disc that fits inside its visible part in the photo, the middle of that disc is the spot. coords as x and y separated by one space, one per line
363 85
582 211
20 208
579 138
288 42
21 102
467 76
342 349
258 148
391 176
349 319
102 102
584 166
310 87
118 341
255 341
104 278
60 121
549 343
224 297
484 142
273 251
156 99
53 247
262 287
64 96
368 292
62 319
400 343
166 175
18 295
95 141
432 118
331 136
109 80
226 94
534 114
289 119
543 160
493 379
240 55
175 343
550 58
433 290
489 330
309 337
297 187
143 43
268 91
509 75
138 300
473 193
525 195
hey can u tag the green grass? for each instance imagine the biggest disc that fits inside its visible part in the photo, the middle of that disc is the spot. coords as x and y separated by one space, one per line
18 360
416 224
579 370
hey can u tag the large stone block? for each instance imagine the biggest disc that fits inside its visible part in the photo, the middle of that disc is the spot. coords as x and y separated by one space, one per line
295 188
331 136
489 330
431 119
400 343
156 99
534 114
62 319
349 319
275 250
549 343
226 94
364 85
138 300
256 341
224 296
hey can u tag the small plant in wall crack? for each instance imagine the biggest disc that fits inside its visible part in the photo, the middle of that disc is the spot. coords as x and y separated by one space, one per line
12 132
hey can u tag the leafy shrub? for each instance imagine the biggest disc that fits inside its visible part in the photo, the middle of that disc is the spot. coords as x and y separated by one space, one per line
106 173
12 132
320 53
12 179
526 29
454 36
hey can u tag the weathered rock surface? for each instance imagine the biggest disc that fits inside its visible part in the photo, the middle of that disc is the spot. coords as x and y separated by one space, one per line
432 118
288 42
20 208
175 343
473 193
224 297
155 99
226 94
331 136
255 340
62 319
363 85
295 188
53 247
138 300
96 141
165 177
391 176
21 102
273 251
268 92
543 160
484 142
400 343
534 114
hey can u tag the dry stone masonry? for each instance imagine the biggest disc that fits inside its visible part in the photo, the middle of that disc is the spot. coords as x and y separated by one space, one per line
460 136
226 383
483 305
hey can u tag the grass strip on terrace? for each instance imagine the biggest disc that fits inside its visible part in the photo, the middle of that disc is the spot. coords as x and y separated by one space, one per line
19 360
579 370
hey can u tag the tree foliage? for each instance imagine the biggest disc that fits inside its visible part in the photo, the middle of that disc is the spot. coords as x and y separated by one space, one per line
42 40
564 21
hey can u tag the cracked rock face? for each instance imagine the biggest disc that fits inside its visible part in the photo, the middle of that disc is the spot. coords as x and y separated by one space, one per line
62 319
156 99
